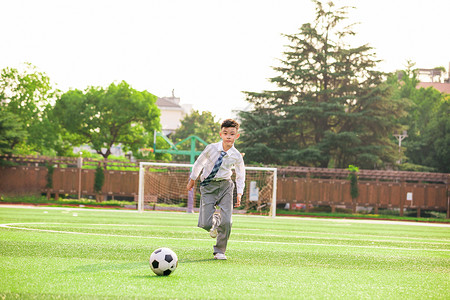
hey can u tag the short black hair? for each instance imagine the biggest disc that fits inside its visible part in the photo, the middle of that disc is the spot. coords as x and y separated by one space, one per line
230 123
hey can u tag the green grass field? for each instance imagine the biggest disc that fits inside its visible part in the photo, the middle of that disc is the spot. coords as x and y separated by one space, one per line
84 253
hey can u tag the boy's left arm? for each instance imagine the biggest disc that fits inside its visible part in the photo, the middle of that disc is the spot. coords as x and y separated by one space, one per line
240 181
238 200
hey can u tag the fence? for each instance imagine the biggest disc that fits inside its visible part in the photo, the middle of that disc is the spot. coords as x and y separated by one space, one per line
23 180
297 186
27 175
335 192
308 187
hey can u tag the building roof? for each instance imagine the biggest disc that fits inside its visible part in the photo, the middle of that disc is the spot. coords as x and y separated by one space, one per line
167 102
441 87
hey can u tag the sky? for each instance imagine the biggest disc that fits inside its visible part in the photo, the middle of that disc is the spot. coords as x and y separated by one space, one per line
206 51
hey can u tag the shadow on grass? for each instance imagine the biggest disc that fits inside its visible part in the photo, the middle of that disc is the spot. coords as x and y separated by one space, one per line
149 276
113 267
188 261
128 266
107 267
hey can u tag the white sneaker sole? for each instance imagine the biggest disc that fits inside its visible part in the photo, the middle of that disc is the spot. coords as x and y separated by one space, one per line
221 257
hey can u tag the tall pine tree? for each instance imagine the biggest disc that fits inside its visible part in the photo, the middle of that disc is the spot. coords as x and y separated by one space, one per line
332 107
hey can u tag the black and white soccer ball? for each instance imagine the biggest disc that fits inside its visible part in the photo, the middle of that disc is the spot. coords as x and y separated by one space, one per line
163 261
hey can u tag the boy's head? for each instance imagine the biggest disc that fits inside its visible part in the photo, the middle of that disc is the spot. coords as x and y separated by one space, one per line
229 133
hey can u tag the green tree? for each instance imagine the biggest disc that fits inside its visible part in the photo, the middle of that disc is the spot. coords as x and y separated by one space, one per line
106 117
427 122
28 94
332 107
197 123
437 135
11 132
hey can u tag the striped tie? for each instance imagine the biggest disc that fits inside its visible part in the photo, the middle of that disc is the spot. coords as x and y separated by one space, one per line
214 170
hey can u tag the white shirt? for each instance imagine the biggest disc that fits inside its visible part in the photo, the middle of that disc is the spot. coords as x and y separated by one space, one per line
208 158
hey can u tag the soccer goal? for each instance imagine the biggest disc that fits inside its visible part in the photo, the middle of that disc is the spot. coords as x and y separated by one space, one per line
164 184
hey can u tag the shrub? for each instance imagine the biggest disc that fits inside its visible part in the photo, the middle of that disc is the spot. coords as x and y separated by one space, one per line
99 179
354 192
50 169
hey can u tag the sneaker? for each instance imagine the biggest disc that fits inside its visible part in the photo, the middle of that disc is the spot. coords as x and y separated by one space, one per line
216 222
220 256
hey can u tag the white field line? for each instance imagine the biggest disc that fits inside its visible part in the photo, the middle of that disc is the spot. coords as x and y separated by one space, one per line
125 211
373 238
345 221
347 234
346 239
13 226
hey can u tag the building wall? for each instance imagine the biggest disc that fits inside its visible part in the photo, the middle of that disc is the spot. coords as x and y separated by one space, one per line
171 119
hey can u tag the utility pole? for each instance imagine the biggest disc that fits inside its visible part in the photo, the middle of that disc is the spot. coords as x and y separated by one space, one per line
400 137
80 166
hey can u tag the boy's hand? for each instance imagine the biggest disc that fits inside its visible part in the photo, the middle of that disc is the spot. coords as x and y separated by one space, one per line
238 200
190 185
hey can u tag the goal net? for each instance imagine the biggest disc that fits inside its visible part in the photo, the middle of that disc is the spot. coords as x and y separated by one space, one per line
164 184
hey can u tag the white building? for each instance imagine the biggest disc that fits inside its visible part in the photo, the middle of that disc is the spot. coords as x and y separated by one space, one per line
436 78
433 75
172 112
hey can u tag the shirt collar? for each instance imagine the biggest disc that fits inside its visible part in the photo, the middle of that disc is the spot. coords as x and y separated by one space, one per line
220 148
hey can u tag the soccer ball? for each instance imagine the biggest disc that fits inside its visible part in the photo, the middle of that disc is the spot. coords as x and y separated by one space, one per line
163 261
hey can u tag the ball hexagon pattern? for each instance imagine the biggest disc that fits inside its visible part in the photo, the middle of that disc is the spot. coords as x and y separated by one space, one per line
163 261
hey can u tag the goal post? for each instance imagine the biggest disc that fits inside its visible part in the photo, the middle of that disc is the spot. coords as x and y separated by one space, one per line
261 187
164 184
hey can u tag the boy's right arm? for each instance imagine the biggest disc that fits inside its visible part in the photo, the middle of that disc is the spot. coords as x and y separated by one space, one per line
190 184
197 168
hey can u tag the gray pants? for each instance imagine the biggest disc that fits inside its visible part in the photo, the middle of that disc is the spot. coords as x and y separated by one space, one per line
217 193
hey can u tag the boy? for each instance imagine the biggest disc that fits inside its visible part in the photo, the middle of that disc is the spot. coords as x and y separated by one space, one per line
216 186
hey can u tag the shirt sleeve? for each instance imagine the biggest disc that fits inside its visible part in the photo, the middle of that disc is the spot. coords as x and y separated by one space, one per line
200 163
240 176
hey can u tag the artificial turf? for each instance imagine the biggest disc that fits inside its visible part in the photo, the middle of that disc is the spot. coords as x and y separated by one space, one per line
83 254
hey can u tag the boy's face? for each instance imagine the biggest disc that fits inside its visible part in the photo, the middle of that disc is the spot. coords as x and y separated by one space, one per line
229 135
